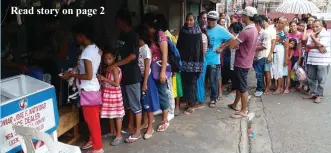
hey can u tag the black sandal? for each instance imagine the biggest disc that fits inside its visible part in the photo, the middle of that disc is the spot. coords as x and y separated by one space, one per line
212 104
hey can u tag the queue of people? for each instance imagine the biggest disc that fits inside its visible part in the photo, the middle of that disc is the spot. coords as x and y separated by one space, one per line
150 70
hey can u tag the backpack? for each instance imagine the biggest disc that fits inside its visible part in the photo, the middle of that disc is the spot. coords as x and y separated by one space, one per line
174 57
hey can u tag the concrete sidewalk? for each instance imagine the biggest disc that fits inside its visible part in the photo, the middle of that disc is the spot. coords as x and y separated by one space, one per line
208 130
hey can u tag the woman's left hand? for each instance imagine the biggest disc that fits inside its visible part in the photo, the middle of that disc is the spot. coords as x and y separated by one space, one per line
66 75
163 77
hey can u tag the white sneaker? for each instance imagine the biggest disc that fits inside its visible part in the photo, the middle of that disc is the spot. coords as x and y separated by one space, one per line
258 93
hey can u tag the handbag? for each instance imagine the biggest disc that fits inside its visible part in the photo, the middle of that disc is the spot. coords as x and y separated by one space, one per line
156 69
90 98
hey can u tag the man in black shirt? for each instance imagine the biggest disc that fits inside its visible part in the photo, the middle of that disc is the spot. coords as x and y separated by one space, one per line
127 56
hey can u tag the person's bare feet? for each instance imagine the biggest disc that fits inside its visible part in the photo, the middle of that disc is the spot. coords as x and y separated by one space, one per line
144 126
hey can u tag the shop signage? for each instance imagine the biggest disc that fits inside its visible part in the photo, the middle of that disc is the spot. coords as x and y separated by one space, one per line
38 110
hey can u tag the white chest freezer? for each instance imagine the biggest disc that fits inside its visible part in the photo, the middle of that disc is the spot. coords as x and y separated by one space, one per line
27 102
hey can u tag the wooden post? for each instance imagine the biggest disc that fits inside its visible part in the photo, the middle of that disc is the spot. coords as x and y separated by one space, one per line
183 12
200 10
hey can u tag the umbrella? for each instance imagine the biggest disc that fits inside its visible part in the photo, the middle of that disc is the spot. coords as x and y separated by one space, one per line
298 7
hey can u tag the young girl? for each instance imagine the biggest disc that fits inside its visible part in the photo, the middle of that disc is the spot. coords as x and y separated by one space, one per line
293 44
150 101
112 102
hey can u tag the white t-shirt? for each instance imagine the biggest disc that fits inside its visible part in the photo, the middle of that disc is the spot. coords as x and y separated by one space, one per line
144 53
271 30
315 57
93 54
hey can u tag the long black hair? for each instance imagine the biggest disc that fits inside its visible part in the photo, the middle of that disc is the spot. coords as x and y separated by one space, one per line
295 43
151 20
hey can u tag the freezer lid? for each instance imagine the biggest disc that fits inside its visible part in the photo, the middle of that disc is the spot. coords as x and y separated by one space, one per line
20 86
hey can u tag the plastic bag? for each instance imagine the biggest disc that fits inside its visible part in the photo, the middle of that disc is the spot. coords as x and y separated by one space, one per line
297 73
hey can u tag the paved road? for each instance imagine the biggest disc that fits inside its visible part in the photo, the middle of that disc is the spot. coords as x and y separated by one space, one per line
289 124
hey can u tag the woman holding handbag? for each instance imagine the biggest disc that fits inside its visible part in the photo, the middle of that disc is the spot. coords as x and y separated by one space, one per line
161 70
90 95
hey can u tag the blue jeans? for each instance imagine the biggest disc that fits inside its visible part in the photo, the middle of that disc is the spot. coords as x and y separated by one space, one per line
214 75
259 71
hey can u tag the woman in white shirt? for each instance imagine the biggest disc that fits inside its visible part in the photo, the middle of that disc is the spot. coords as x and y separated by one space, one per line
90 95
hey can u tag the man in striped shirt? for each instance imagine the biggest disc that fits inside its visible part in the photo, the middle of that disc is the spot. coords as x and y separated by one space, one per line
319 60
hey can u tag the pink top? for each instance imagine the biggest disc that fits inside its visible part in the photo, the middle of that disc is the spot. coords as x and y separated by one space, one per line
155 49
248 40
298 37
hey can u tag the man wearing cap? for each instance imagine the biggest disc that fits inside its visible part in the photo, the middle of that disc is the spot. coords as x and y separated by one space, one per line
217 35
246 41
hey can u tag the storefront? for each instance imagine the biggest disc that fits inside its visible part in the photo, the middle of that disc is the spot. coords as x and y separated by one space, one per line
42 46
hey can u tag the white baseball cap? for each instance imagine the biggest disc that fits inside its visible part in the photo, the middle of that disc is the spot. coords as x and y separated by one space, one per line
213 15
249 11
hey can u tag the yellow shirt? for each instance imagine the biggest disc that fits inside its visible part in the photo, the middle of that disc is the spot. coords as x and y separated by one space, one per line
172 38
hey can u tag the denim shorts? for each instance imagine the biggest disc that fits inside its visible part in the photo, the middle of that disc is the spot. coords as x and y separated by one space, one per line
163 94
131 97
267 67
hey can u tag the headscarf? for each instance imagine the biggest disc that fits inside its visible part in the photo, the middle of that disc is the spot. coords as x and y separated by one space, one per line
191 30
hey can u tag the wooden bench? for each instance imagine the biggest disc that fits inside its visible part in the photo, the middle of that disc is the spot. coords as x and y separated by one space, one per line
69 119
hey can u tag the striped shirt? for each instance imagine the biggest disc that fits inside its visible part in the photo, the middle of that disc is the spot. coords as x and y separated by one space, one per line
315 57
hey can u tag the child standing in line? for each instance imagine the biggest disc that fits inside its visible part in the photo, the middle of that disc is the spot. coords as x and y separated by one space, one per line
150 101
293 44
112 102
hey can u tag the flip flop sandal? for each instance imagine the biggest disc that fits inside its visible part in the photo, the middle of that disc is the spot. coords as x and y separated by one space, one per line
238 115
233 108
212 104
110 137
165 126
127 132
148 136
318 100
189 111
87 145
286 91
131 139
116 142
